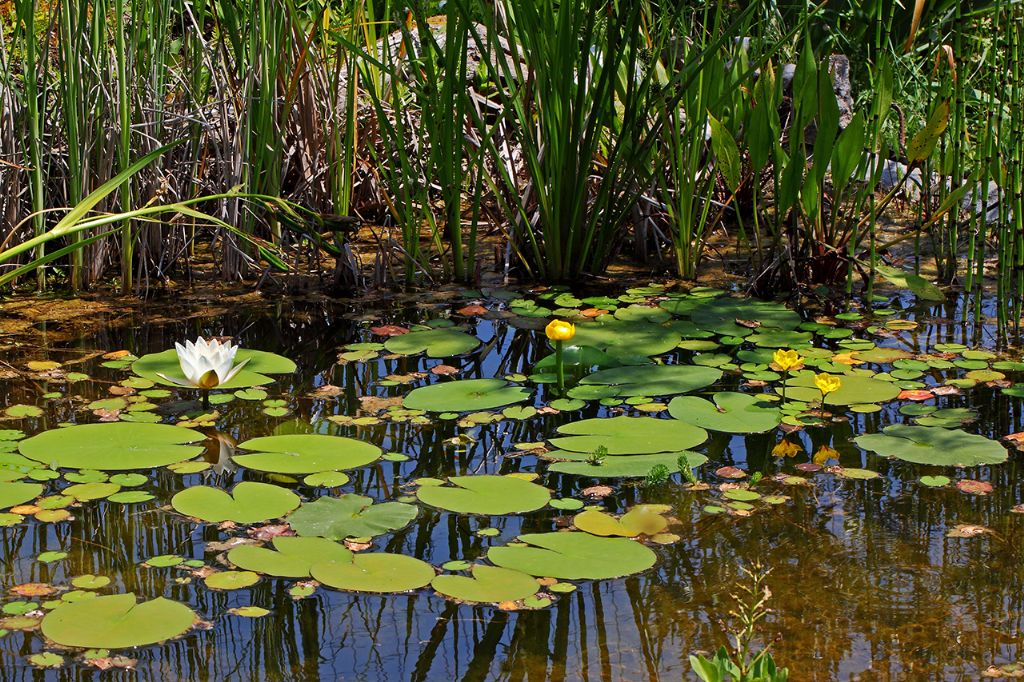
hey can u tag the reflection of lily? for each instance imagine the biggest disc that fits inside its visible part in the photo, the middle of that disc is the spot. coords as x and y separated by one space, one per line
824 454
786 448
225 464
205 364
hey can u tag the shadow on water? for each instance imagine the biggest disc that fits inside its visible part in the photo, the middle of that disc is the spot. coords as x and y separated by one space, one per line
865 581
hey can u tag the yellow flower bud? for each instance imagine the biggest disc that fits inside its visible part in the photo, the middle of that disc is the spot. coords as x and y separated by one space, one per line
560 330
827 383
787 359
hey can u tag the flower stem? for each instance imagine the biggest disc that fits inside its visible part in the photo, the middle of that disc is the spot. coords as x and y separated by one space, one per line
560 365
785 379
206 400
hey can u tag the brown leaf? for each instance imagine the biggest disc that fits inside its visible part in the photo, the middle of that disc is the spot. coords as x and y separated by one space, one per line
946 390
108 662
444 370
270 531
116 354
974 487
730 472
354 546
326 391
915 394
121 390
966 530
472 310
593 312
808 467
389 330
596 491
33 590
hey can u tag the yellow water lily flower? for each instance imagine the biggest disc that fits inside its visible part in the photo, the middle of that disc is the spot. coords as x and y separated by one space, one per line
827 383
786 448
560 330
787 359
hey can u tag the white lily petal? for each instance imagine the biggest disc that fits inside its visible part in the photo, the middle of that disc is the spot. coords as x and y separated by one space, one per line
235 370
176 382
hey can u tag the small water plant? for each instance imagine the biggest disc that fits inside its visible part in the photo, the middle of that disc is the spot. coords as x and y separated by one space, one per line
741 664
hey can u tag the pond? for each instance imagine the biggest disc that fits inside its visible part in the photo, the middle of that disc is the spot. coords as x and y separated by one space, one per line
887 561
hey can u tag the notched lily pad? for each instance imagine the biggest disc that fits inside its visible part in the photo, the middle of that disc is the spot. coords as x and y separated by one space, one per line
655 380
350 516
116 621
306 454
436 343
249 502
465 395
486 494
489 584
116 446
376 572
292 557
573 555
629 435
934 445
729 413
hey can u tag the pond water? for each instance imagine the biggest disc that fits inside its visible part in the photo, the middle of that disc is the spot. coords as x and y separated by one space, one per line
866 581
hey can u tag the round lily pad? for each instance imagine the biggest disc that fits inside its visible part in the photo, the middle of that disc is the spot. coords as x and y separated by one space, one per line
260 363
489 584
465 395
934 445
249 502
306 454
116 446
15 493
486 494
436 343
573 555
628 435
292 557
626 338
350 516
640 520
730 413
622 466
231 580
855 389
655 380
116 621
376 572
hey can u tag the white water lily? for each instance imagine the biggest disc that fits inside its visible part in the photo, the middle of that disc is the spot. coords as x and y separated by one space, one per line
206 364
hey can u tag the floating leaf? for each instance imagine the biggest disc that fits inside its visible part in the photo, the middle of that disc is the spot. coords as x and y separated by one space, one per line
249 611
933 445
376 572
629 435
350 516
640 520
306 454
21 411
486 494
573 555
655 380
489 584
436 343
855 389
231 580
292 557
972 487
116 621
113 447
730 413
935 481
249 502
260 363
465 395
13 494
626 339
623 466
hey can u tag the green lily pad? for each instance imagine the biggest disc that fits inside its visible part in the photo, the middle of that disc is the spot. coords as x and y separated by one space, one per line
116 621
626 339
436 343
306 454
115 446
376 572
489 584
350 516
260 363
292 557
629 435
933 445
486 494
465 395
622 466
573 555
15 493
641 520
231 580
730 413
935 481
249 502
655 380
855 389
91 491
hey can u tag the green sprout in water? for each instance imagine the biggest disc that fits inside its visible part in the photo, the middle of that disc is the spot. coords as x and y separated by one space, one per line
657 476
688 473
596 458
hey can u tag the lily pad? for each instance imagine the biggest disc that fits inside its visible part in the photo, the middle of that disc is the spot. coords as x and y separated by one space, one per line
376 572
13 494
629 435
465 395
855 389
249 502
486 494
231 580
116 621
436 343
625 466
260 363
934 445
641 520
306 454
624 340
489 584
350 516
115 446
655 380
573 555
292 557
729 413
